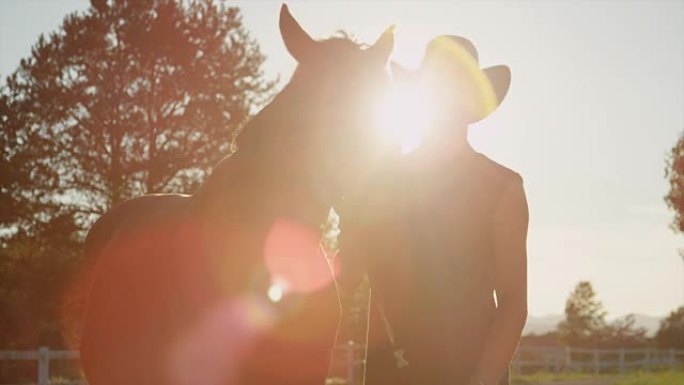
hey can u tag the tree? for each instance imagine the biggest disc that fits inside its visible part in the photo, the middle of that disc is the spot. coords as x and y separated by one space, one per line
24 175
623 333
584 320
125 98
585 323
128 98
671 331
33 272
674 172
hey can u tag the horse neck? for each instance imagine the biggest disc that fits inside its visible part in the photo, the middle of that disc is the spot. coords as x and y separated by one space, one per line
260 176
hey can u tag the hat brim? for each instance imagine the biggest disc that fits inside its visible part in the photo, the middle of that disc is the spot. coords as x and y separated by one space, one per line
500 78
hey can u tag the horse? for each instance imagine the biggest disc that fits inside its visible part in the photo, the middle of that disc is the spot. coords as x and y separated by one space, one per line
229 285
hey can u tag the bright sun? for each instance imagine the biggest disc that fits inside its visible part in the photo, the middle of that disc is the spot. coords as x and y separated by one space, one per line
403 116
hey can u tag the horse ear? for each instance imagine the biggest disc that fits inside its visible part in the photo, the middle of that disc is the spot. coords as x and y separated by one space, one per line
297 41
384 45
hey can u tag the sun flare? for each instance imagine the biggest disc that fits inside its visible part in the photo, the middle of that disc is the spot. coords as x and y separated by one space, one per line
403 116
275 293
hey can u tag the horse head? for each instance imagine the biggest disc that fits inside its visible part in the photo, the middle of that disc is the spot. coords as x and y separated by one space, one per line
319 124
346 80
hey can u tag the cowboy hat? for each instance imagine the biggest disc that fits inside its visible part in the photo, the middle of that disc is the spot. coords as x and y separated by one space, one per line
451 62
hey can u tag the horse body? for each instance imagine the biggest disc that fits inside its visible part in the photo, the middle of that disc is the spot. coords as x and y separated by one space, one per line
168 264
124 327
229 286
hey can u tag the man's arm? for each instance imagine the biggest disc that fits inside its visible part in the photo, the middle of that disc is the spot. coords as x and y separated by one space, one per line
510 238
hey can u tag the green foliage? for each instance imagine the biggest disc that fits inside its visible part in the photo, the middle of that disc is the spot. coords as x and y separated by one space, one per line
544 339
652 378
124 99
130 98
541 378
585 323
634 378
34 269
623 333
674 171
584 317
671 331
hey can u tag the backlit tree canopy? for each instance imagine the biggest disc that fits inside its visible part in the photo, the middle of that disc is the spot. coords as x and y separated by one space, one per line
128 98
671 331
675 174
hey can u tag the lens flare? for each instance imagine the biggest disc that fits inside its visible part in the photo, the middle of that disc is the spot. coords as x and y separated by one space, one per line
403 115
295 260
214 348
275 293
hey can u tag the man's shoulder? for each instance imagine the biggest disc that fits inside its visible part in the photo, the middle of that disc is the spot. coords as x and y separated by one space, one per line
498 171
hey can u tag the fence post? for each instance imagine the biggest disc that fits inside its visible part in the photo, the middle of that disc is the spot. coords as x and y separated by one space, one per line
43 366
622 360
596 361
671 359
568 358
648 358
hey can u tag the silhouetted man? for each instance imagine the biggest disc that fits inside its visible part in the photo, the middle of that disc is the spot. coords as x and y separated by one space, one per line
442 235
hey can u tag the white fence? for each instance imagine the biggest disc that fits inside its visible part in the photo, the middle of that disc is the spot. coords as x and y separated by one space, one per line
558 359
527 359
43 356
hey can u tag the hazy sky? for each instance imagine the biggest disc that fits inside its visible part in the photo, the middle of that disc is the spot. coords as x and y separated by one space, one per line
595 104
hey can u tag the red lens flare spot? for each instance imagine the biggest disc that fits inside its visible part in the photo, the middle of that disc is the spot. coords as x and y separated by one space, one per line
216 347
295 260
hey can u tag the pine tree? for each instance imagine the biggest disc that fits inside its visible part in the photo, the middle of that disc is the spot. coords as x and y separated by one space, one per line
584 321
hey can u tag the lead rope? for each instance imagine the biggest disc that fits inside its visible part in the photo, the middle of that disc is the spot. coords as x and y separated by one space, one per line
398 352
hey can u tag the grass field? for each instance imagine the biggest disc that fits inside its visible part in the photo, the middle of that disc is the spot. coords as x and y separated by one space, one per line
635 378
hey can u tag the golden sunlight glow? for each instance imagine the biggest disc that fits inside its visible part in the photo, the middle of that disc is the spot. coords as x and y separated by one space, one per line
403 116
275 293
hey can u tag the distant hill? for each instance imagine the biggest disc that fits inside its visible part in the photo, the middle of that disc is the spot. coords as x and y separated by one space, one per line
541 325
544 324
